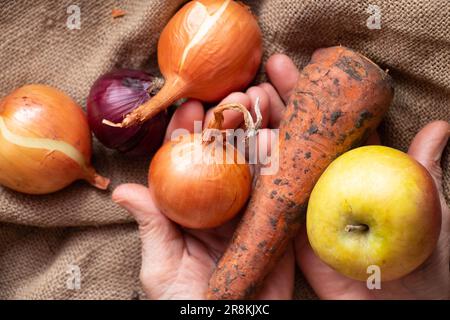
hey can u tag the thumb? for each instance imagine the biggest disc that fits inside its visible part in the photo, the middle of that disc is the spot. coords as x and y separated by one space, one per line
161 240
427 147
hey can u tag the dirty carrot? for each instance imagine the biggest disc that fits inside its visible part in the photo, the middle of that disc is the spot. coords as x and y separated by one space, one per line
339 100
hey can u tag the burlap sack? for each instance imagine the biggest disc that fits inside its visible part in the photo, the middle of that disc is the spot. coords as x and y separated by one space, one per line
43 238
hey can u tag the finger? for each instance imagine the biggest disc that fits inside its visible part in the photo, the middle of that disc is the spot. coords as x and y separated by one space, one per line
277 105
266 140
326 282
279 284
374 140
259 153
157 232
162 242
232 119
283 74
428 145
185 117
254 93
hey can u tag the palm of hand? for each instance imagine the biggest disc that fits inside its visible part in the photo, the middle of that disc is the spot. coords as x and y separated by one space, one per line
191 259
431 280
177 263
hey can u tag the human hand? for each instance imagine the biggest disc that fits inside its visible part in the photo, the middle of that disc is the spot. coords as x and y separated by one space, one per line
429 281
177 262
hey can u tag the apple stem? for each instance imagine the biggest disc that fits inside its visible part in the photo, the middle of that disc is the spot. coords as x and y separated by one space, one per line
359 227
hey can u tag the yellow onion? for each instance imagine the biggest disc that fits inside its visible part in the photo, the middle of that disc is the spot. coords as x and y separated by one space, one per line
209 49
200 182
45 142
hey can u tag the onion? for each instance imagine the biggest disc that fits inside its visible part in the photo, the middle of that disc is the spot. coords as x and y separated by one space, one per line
114 95
209 49
199 183
45 142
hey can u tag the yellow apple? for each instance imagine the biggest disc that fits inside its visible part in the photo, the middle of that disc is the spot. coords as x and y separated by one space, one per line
374 206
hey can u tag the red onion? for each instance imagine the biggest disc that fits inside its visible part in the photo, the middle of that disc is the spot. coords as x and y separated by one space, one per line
113 96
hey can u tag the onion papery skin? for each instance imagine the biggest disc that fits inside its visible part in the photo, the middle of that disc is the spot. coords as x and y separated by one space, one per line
208 49
45 142
194 194
216 62
116 94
